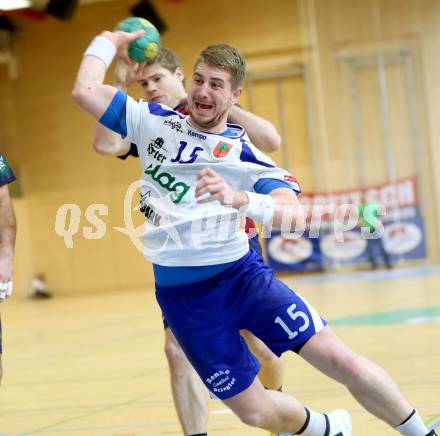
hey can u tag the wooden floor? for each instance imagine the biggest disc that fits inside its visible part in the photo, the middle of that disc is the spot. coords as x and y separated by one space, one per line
94 365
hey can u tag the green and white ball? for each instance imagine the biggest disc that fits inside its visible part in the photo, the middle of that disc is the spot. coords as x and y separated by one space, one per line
147 46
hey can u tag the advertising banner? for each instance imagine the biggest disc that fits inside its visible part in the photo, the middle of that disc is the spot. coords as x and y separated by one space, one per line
334 233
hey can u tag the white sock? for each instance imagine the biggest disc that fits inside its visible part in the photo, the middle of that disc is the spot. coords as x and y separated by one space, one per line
315 425
413 426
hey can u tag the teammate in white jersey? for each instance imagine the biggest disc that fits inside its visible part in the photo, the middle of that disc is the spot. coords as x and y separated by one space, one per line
162 82
207 293
8 229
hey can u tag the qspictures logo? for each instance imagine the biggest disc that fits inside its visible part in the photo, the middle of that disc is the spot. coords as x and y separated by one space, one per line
163 219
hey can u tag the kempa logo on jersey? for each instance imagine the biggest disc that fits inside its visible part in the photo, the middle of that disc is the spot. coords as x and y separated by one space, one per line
196 135
150 214
154 149
175 125
222 149
166 180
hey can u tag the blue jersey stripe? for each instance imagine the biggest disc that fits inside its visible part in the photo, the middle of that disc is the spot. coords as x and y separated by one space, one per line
229 133
157 109
247 155
114 118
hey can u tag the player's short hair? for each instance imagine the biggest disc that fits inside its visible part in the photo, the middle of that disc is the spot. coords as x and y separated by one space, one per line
225 57
166 59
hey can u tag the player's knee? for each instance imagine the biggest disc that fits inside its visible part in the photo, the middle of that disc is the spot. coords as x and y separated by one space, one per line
261 351
362 370
268 359
174 353
252 418
352 369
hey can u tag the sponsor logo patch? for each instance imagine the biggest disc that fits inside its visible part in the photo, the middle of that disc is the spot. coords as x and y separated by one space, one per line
196 135
289 178
155 149
222 149
174 125
166 180
221 381
150 214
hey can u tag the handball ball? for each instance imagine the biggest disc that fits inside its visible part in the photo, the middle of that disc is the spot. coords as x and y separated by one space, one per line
146 47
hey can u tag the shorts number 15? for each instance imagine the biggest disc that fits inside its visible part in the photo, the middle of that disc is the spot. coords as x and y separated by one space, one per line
294 316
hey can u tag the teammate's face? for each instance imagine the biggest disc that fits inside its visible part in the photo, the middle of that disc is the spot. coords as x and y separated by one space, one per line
162 86
210 96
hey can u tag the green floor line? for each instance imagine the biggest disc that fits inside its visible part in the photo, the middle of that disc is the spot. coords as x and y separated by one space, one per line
94 412
403 316
432 419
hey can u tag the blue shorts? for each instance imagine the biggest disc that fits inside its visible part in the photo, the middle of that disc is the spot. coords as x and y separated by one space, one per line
254 244
206 318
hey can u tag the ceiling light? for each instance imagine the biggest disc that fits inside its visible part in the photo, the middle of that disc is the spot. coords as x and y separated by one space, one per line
9 5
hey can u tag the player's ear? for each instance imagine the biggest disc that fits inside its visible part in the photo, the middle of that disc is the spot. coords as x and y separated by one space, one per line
179 74
236 94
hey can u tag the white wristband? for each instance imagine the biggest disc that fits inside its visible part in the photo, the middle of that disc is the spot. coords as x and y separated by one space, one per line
102 48
260 207
5 290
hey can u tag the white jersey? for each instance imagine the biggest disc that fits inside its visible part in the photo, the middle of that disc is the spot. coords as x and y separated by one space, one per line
179 231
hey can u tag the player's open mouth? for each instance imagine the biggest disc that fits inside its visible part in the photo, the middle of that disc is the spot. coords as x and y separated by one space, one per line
202 106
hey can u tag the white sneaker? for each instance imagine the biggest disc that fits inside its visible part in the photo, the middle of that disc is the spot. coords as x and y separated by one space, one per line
340 422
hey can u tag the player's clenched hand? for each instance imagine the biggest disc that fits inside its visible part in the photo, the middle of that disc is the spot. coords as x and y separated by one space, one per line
122 40
211 186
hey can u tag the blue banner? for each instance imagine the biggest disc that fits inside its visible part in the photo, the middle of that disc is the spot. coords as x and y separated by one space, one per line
403 238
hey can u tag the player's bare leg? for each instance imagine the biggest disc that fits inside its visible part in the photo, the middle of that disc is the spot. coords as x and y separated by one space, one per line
267 409
369 384
282 413
271 373
188 392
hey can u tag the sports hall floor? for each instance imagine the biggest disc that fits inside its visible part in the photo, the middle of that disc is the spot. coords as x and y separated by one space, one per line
94 365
